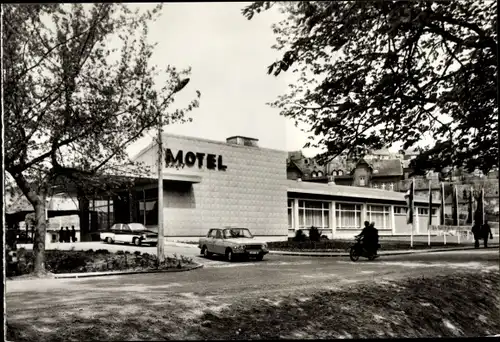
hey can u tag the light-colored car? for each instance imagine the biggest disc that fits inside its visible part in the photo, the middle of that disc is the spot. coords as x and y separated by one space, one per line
134 233
232 243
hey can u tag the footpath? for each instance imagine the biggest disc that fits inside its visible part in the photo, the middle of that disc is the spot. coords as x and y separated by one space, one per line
382 252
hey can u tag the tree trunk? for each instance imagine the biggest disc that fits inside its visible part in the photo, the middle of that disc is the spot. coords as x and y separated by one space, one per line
39 242
38 201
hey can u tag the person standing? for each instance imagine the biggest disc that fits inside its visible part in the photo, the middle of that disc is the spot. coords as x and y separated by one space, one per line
476 231
61 235
486 232
73 234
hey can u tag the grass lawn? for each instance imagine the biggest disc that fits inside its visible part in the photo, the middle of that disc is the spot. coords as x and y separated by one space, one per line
439 306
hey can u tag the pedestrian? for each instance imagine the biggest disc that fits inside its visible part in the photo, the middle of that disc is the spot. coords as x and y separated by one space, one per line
73 234
68 235
476 231
61 235
486 232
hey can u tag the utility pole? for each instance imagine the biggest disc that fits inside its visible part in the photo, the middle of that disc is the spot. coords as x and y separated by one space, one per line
160 250
161 235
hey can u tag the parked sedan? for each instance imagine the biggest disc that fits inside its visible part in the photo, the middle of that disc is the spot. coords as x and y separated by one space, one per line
232 242
134 233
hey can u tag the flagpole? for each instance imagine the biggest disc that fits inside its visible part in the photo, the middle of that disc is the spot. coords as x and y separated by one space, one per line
458 212
412 196
482 207
430 215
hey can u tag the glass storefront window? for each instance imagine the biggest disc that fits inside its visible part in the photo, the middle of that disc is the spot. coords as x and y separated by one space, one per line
314 213
290 214
380 214
348 216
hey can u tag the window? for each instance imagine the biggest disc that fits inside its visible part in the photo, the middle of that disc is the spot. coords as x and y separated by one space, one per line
434 212
290 214
334 173
400 210
348 216
212 233
340 172
362 181
380 214
313 175
306 161
423 211
320 174
147 206
313 213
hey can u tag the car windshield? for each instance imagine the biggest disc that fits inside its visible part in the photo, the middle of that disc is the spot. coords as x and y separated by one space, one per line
136 226
237 233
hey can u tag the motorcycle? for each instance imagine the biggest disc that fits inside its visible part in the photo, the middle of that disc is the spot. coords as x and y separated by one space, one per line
358 250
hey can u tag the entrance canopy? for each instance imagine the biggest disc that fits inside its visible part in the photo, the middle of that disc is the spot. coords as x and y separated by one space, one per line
119 181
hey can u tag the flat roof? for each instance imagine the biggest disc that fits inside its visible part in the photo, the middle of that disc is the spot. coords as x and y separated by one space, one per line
349 191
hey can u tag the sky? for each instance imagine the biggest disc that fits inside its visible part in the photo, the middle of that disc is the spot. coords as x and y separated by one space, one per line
229 56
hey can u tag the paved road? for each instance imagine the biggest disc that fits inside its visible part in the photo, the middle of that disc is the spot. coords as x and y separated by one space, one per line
275 274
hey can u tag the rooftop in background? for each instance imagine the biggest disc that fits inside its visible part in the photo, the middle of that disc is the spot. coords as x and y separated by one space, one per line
349 191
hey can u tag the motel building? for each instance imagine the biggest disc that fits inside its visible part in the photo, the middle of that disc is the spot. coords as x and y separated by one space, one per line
209 184
236 183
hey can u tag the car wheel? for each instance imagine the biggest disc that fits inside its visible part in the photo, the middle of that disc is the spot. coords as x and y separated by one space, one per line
136 241
109 240
229 255
205 252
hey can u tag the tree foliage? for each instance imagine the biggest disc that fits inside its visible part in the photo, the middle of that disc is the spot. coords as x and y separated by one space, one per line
78 89
372 73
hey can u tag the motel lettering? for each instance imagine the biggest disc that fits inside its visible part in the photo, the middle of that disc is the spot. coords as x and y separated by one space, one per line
212 161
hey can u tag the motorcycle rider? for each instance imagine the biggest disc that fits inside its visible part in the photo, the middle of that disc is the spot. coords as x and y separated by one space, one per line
370 238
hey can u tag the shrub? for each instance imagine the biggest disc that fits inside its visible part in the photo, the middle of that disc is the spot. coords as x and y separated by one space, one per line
186 260
120 253
314 234
299 236
137 253
90 251
102 251
64 261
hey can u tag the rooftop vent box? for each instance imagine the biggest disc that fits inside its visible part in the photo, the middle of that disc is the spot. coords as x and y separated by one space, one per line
243 141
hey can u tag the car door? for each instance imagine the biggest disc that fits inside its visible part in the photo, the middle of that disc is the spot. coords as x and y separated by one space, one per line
210 240
118 233
114 232
219 242
127 234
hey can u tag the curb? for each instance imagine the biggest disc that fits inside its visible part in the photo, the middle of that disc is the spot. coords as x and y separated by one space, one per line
338 254
112 273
